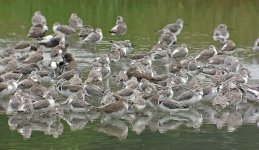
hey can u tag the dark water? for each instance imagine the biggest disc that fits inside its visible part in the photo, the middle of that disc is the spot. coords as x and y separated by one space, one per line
143 17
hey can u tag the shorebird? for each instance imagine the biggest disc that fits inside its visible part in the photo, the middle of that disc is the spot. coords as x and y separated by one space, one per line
115 109
105 70
69 74
93 86
256 45
7 52
107 98
10 66
234 95
127 93
161 45
170 105
75 21
125 43
38 18
24 46
10 76
64 29
114 53
77 103
124 46
37 31
251 92
217 60
139 103
207 53
36 57
190 97
120 28
95 74
52 40
51 91
85 31
180 53
26 69
220 33
209 91
131 83
176 27
228 95
70 63
160 54
26 107
44 105
144 84
7 88
15 101
229 47
168 37
76 80
103 59
64 88
25 84
37 91
94 37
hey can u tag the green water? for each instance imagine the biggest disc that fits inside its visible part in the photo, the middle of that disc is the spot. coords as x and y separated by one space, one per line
143 17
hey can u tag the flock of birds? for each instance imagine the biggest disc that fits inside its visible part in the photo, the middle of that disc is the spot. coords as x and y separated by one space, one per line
45 86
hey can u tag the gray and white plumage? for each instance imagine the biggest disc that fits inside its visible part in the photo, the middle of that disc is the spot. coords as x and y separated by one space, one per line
120 28
228 47
180 52
67 89
44 105
93 86
170 105
26 107
85 31
75 21
77 102
115 54
250 91
103 59
220 33
38 18
190 97
64 29
207 53
139 103
52 40
37 31
168 37
9 87
176 27
94 37
35 57
115 109
15 101
107 98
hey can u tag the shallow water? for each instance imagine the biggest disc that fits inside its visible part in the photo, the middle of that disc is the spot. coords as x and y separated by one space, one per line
143 18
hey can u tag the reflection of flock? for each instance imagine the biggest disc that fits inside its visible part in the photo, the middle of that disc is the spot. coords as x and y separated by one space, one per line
46 88
148 120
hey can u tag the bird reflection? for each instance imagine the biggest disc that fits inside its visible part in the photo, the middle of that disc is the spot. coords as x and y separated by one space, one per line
76 121
115 128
